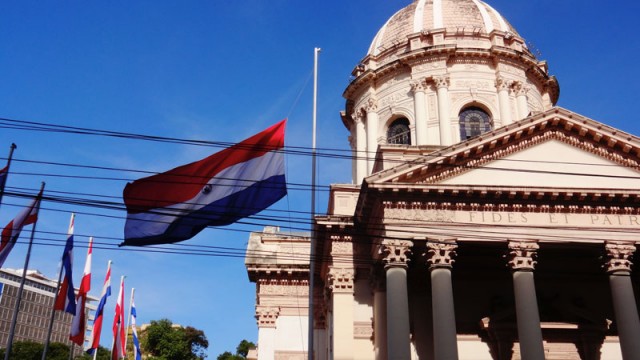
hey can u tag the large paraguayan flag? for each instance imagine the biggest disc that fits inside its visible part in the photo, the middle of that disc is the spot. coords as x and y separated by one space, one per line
66 297
11 232
94 341
234 183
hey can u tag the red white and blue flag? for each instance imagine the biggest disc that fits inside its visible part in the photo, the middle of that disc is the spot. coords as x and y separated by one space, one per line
66 297
94 341
11 232
118 349
134 331
229 185
78 323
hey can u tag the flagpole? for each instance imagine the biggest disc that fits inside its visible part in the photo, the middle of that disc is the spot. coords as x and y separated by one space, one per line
24 278
4 182
310 350
126 338
53 306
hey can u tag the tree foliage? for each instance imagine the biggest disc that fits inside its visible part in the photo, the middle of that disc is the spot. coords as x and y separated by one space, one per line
242 350
163 341
28 350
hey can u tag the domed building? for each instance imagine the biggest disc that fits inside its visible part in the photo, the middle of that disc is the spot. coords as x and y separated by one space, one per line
483 222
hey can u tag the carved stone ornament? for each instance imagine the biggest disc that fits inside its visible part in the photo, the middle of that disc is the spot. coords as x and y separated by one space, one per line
519 88
372 105
267 316
440 253
358 115
522 255
502 83
441 81
396 252
418 86
619 257
341 279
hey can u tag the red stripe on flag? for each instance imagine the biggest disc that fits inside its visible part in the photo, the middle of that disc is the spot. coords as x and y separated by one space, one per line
183 183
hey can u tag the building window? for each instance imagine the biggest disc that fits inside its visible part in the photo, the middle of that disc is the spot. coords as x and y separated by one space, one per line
473 122
399 132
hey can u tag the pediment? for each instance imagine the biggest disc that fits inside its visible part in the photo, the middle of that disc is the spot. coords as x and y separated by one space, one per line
556 148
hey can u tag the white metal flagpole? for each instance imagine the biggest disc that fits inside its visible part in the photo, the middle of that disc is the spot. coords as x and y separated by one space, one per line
312 262
126 338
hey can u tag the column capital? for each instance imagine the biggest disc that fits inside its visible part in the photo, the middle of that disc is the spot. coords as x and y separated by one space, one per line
267 316
359 115
502 83
440 253
396 252
522 255
441 81
372 105
619 255
519 88
341 279
418 85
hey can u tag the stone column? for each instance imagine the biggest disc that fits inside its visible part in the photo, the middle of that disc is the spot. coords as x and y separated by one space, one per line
521 99
440 255
372 133
267 316
522 263
624 303
442 86
503 98
398 331
361 147
420 111
379 315
341 286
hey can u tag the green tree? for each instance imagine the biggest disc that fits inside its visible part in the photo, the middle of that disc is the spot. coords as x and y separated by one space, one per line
103 354
27 350
161 340
242 350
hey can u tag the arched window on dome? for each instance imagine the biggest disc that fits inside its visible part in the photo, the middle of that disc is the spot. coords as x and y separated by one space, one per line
473 122
399 132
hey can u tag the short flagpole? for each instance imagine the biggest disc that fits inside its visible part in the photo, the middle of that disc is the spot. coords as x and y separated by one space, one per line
12 329
53 307
4 182
310 350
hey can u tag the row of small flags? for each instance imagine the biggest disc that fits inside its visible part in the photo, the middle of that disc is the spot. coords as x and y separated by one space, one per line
66 299
169 207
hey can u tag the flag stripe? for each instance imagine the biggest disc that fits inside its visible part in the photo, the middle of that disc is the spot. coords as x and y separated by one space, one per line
185 182
11 231
94 342
78 323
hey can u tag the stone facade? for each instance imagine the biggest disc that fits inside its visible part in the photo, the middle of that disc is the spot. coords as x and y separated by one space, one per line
502 227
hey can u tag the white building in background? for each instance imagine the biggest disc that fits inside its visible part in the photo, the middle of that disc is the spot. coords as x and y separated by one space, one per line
483 222
35 309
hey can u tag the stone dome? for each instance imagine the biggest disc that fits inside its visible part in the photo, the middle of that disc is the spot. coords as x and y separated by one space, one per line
423 16
437 73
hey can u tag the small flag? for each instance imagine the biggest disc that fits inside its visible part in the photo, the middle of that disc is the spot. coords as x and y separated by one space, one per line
134 331
234 183
66 297
4 172
118 350
78 324
11 232
94 343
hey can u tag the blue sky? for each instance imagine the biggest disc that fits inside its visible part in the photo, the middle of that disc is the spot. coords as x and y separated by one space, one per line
222 71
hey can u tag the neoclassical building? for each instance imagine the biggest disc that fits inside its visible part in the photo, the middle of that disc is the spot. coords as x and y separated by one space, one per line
483 222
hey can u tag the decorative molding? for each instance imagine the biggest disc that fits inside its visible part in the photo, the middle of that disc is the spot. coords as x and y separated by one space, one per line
519 88
282 289
341 245
402 211
418 85
396 252
440 253
619 257
469 164
522 255
267 316
341 280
